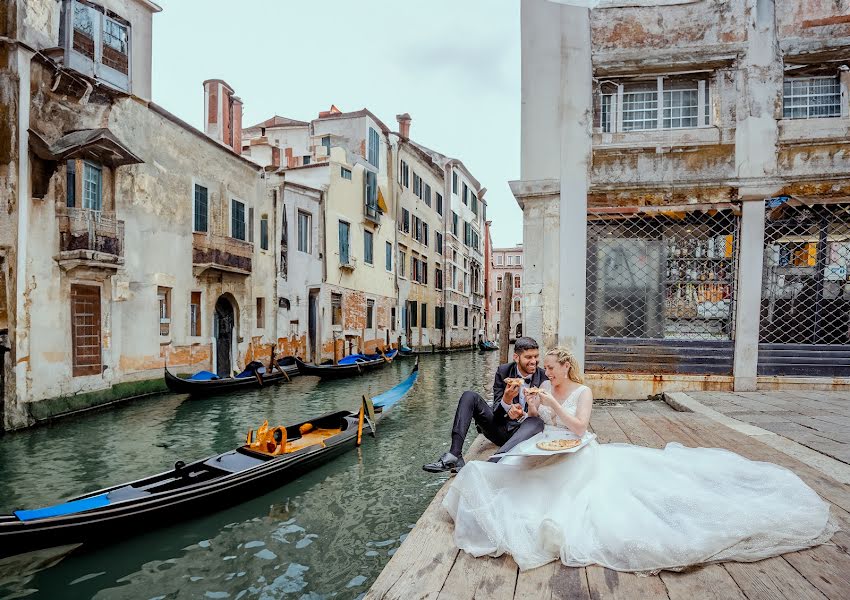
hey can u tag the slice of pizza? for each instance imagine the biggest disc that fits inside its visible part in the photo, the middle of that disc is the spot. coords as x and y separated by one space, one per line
555 445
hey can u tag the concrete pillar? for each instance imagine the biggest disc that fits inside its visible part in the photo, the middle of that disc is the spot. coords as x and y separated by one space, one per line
748 295
576 155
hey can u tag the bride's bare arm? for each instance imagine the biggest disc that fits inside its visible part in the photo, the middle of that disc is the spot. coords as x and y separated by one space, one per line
577 424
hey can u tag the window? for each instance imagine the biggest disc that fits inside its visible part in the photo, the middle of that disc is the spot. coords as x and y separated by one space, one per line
455 221
498 304
92 187
438 279
195 314
70 183
305 160
424 316
370 313
336 309
439 317
404 174
466 317
392 318
412 313
498 284
115 50
474 205
264 232
305 232
465 196
201 209
326 142
500 259
417 185
426 194
345 173
517 282
261 313
518 259
374 145
516 305
455 315
163 295
454 182
344 230
237 219
425 233
85 330
370 194
438 246
401 262
368 247
811 97
404 225
439 204
84 17
389 257
684 103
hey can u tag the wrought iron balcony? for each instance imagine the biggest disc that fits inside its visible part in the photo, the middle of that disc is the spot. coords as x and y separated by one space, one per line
89 238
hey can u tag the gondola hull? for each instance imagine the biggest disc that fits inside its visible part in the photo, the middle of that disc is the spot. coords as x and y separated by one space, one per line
179 385
190 490
340 371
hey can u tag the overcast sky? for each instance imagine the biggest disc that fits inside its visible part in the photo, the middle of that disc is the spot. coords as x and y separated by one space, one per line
454 65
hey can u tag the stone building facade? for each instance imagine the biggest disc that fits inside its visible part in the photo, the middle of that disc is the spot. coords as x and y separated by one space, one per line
507 261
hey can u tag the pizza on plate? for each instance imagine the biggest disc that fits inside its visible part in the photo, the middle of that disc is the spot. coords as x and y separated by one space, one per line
560 444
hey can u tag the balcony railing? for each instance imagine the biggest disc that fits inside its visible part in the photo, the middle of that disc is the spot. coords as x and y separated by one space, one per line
221 253
89 238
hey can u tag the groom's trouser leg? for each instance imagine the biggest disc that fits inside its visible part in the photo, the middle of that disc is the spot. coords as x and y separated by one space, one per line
473 406
528 428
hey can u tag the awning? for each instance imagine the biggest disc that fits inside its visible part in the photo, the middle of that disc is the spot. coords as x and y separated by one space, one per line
382 204
99 145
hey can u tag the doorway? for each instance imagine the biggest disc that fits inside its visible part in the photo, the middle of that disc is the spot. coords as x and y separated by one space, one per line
223 325
312 326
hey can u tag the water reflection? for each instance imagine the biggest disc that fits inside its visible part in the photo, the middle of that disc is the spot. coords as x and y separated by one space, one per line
327 534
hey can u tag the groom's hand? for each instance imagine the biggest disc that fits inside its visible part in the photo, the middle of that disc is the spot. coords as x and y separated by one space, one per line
515 412
511 392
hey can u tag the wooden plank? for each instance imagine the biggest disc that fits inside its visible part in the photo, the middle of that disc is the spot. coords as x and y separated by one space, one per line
553 581
480 578
606 428
772 579
710 582
638 432
424 560
612 585
667 430
826 567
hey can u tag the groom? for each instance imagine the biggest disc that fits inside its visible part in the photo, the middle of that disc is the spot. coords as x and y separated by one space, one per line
505 423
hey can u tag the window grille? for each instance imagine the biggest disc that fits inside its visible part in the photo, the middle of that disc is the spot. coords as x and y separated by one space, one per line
811 97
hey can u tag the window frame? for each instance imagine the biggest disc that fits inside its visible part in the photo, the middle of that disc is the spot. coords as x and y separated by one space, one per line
787 111
374 151
388 257
651 98
233 202
308 230
196 185
196 314
264 232
368 247
347 253
86 200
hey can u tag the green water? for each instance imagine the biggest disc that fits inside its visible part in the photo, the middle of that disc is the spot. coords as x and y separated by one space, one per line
325 535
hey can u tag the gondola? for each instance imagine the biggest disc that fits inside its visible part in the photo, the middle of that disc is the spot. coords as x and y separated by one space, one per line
347 367
487 346
270 457
205 383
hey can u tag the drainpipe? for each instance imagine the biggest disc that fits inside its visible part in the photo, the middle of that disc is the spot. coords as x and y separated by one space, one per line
276 254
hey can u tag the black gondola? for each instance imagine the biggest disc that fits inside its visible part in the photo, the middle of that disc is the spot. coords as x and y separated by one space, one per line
191 489
341 371
487 346
251 377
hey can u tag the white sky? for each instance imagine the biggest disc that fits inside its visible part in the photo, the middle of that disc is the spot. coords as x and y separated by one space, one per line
454 65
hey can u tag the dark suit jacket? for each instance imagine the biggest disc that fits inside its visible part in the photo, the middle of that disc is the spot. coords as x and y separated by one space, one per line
506 372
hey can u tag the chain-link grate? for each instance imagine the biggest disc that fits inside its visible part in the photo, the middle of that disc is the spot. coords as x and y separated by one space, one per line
806 291
662 276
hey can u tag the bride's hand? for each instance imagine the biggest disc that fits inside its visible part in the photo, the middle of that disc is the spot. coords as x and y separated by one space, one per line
533 403
547 398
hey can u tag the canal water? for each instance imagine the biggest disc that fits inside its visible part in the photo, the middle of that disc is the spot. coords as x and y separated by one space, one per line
326 535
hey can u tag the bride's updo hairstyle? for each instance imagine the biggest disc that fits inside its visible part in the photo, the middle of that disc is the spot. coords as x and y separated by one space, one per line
564 356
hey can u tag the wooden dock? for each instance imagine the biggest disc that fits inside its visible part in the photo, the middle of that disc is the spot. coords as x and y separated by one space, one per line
428 565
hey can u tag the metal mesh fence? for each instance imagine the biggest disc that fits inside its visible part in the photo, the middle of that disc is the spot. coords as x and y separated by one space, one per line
806 292
662 275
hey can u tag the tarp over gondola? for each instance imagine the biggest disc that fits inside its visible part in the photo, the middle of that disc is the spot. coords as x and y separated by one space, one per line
347 367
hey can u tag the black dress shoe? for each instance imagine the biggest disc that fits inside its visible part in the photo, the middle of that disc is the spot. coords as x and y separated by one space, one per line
447 462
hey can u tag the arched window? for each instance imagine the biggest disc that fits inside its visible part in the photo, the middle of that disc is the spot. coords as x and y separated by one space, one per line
519 329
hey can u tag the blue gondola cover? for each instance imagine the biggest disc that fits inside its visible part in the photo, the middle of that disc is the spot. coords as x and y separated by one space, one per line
67 508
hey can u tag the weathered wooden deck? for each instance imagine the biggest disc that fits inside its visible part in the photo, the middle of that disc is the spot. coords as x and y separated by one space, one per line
427 565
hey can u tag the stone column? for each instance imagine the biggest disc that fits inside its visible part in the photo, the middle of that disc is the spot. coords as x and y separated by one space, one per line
576 155
748 295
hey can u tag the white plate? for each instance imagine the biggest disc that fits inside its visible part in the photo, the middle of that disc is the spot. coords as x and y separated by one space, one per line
529 446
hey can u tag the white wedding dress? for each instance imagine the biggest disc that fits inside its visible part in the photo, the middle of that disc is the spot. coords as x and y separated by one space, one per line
632 508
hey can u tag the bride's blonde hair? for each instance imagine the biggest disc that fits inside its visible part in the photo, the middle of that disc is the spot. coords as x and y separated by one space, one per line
564 355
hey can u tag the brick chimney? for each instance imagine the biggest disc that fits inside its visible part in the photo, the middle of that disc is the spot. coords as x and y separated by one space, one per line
223 114
404 125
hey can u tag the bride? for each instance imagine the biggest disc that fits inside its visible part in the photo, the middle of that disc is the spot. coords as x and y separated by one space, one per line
625 507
